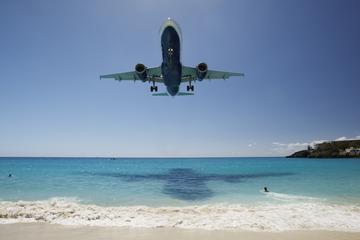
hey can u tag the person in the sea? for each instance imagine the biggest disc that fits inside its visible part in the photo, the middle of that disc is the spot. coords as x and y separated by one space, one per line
265 189
10 175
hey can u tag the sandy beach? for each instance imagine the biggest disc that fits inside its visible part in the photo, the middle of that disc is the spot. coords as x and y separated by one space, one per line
39 231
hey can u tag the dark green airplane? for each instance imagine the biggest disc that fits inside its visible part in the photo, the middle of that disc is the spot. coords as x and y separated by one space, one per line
171 72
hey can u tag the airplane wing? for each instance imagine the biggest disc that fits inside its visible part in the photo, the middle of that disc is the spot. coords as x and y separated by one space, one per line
153 75
189 74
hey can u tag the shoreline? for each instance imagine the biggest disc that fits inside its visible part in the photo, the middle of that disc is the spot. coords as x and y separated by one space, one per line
39 231
237 217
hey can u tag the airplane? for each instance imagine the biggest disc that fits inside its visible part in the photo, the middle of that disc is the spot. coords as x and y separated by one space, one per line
171 72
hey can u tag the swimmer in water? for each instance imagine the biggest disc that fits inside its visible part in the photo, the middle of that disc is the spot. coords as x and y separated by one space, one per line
265 189
10 175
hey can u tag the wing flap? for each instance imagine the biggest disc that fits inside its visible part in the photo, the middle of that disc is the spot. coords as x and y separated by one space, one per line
121 76
211 74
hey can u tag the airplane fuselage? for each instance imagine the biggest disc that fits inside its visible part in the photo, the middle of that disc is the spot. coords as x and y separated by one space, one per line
171 48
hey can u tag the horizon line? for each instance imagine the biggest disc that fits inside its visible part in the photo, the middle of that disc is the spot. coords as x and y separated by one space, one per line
136 157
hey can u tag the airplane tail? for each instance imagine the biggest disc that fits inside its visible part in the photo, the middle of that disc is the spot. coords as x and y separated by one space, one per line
179 94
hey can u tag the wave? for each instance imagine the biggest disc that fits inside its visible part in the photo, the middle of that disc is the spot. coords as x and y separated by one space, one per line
290 197
260 217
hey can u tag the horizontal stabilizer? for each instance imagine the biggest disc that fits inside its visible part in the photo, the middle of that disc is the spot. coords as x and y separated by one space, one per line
179 94
184 94
161 94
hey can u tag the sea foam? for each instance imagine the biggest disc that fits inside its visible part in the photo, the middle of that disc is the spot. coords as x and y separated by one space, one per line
290 197
260 217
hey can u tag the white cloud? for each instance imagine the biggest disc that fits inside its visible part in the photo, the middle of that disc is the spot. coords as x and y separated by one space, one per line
290 145
346 138
297 144
341 139
313 143
251 145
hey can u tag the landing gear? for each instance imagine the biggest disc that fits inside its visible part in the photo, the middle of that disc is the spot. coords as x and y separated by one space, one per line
153 87
190 87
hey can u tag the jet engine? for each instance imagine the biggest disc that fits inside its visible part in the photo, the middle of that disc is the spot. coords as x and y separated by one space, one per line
201 70
141 72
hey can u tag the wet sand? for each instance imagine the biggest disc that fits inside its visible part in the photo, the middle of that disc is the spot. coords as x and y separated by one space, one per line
39 231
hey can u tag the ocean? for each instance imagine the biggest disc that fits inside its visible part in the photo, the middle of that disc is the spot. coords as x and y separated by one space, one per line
205 193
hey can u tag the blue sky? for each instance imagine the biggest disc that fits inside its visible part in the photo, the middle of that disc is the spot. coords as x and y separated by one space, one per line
301 60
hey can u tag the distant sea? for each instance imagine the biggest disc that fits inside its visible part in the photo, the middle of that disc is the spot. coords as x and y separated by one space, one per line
206 193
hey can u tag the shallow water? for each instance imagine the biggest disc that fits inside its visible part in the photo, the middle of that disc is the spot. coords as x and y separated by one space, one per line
189 190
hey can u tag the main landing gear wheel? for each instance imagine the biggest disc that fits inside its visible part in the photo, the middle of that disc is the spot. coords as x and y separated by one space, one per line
153 88
190 88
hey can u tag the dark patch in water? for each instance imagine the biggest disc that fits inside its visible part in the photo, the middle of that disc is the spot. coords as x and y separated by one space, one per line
187 184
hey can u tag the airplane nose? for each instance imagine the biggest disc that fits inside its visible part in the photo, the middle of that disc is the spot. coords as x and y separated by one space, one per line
169 22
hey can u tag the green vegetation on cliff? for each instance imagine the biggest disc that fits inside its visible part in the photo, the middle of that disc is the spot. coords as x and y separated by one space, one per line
334 149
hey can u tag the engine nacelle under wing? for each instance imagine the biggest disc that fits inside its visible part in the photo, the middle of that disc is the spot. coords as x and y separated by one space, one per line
141 71
201 70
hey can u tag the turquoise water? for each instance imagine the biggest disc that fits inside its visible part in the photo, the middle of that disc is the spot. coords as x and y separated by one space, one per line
178 181
206 193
